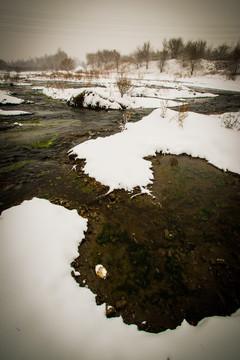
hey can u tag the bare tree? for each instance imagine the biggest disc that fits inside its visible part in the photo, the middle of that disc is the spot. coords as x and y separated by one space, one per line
103 58
163 55
67 64
194 51
175 47
222 52
234 62
142 54
146 52
116 57
138 57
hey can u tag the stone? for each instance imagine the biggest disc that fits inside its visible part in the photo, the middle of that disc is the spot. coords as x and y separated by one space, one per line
99 300
121 304
110 311
112 197
101 271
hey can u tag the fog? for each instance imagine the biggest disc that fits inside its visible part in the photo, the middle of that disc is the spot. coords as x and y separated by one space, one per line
33 28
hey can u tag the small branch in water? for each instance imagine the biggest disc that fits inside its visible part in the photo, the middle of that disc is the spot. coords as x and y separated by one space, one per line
133 196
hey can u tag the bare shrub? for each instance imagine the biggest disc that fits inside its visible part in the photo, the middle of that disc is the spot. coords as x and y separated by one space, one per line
57 84
182 114
67 64
123 83
164 106
126 117
77 100
91 75
10 77
230 121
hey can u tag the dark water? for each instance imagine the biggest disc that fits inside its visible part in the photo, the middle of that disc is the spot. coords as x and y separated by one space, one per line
168 257
34 159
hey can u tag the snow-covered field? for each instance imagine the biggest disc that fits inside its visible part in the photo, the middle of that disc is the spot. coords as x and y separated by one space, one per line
44 314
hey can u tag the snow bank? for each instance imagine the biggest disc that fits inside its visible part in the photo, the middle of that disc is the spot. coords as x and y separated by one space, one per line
118 160
138 97
104 98
6 99
13 112
212 82
169 91
44 314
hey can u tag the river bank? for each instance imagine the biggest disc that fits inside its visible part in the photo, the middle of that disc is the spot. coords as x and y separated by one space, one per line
184 241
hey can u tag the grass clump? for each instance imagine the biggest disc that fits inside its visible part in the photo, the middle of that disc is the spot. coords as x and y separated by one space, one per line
43 143
14 167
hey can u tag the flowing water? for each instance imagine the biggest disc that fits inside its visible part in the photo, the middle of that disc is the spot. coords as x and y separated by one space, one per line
169 257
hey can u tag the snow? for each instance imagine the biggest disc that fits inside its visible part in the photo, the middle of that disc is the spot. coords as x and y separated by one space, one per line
212 82
44 314
13 112
168 92
118 160
6 98
138 97
149 86
104 98
79 68
101 271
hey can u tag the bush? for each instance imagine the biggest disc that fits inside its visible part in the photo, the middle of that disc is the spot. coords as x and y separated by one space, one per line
124 84
182 114
77 100
230 121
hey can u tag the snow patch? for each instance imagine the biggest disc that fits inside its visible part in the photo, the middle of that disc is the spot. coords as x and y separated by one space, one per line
13 112
6 99
118 161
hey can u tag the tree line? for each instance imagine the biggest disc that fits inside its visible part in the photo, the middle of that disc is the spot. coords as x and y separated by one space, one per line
189 53
58 61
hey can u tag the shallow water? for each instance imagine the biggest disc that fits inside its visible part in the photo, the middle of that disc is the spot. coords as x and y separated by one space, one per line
172 257
34 159
168 257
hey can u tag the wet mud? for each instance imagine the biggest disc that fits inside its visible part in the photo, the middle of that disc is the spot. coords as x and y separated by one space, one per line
170 256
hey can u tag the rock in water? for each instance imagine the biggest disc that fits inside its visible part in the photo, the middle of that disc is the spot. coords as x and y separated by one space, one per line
101 271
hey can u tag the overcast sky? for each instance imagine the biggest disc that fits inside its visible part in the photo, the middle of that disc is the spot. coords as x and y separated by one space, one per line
30 28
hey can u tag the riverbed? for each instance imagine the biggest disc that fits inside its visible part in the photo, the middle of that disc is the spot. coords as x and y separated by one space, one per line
170 256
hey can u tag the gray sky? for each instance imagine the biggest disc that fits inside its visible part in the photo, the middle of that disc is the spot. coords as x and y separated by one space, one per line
32 28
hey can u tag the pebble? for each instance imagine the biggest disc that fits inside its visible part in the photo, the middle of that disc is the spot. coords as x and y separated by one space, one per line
110 311
121 304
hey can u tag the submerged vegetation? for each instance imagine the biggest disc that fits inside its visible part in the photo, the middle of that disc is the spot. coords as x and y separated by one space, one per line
158 264
14 167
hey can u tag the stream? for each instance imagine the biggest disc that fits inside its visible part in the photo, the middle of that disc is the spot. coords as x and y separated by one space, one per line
169 257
